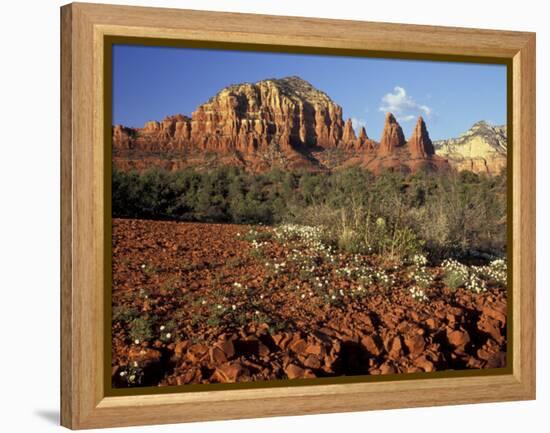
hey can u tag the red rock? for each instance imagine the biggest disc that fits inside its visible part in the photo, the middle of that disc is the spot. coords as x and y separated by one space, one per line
312 362
230 372
431 323
415 344
217 355
491 327
424 363
395 349
246 117
277 338
244 121
363 134
372 344
227 348
282 340
197 352
496 311
121 136
315 349
457 311
263 350
193 375
496 360
420 144
441 313
483 354
458 338
392 136
180 348
298 345
348 135
387 368
143 355
295 372
364 319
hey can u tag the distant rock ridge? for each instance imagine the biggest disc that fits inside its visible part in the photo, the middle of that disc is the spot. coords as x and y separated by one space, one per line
481 149
284 122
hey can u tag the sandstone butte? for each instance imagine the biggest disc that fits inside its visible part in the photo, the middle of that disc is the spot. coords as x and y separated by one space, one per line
284 123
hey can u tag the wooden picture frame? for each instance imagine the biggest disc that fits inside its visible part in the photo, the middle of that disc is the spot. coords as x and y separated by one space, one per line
84 28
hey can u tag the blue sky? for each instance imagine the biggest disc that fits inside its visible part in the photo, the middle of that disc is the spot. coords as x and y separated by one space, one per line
150 83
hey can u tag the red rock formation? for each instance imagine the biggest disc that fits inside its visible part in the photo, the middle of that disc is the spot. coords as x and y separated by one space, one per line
392 136
288 113
364 143
349 132
420 144
397 155
121 137
363 134
285 116
277 122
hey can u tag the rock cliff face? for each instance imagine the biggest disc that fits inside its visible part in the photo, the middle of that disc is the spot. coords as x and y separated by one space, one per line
284 122
287 117
247 117
481 149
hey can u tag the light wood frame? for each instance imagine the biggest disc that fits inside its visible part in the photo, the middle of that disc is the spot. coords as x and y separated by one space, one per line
83 400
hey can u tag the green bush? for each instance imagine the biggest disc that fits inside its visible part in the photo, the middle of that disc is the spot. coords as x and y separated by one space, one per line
122 313
140 330
454 280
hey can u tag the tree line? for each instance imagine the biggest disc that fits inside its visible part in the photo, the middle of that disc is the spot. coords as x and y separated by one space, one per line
444 213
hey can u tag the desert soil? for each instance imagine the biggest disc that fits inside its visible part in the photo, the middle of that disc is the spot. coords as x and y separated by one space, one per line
213 307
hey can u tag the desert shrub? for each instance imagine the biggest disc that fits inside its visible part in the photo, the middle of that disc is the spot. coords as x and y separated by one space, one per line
257 235
122 313
131 374
454 280
475 283
420 273
455 274
396 242
140 330
443 214
351 241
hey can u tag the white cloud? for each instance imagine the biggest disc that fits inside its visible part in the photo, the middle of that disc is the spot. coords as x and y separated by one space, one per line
403 106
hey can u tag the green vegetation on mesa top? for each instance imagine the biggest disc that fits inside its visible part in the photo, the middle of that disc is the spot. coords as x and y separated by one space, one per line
443 214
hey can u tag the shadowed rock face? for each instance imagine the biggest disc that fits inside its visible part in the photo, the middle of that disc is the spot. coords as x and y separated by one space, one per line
284 122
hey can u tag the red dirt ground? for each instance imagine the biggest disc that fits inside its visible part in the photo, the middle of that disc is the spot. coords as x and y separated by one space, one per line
197 303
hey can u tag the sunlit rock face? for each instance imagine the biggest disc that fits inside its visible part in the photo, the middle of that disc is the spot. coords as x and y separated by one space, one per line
481 149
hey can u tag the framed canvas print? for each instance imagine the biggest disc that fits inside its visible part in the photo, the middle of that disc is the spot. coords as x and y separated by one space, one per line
269 216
